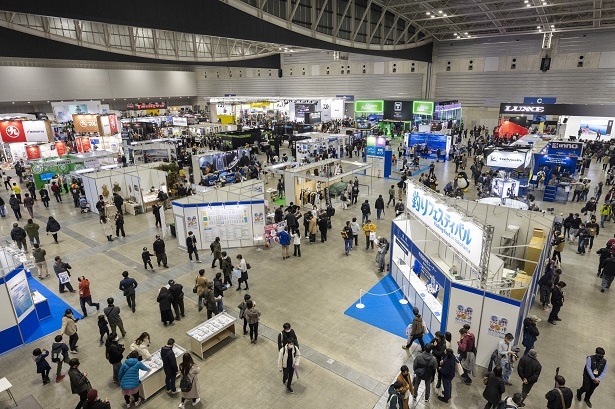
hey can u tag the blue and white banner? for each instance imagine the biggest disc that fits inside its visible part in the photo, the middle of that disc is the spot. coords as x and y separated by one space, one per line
464 236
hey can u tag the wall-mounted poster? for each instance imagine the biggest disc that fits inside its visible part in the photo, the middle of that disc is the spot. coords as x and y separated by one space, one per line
228 223
19 291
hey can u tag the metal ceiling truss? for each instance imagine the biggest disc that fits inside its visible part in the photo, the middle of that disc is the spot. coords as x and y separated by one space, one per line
138 41
363 24
459 19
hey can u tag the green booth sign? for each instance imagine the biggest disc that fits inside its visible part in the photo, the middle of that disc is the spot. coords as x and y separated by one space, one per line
422 107
369 107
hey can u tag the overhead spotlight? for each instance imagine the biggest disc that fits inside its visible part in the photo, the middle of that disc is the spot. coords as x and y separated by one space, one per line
433 16
528 5
466 33
552 26
440 11
444 14
428 13
526 1
538 27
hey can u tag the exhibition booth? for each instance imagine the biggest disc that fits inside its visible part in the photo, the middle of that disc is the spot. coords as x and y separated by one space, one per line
137 185
557 164
379 155
462 262
17 134
512 167
235 213
43 170
154 150
426 144
318 143
218 168
312 184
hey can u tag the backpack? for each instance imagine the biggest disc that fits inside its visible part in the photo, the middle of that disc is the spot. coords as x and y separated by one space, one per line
503 405
393 405
185 384
56 355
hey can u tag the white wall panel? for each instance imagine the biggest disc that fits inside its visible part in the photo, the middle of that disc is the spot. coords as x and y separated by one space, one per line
489 47
580 43
40 83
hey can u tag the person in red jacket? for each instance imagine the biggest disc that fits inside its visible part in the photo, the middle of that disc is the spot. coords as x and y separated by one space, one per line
467 353
85 296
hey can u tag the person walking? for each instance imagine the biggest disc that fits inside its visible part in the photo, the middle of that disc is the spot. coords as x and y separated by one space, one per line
31 230
391 196
165 303
18 235
200 287
447 373
242 310
365 212
356 228
114 354
219 289
44 196
53 227
69 328
288 361
141 345
407 388
494 388
415 331
191 246
146 256
296 243
227 269
160 251
593 229
128 285
106 226
28 203
85 297
169 365
177 291
379 206
156 212
103 328
42 366
530 332
190 372
369 229
557 301
57 192
347 236
216 250
560 397
119 225
242 266
529 371
59 356
287 334
60 269
607 271
74 191
112 312
79 382
15 204
593 373
424 367
129 378
252 314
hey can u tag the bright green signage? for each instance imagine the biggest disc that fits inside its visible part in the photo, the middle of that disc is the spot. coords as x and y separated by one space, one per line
369 107
422 107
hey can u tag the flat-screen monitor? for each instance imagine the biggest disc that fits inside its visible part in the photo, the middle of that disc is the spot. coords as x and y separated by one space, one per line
46 176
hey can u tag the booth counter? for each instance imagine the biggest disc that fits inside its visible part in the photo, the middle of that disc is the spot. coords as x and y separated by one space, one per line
154 380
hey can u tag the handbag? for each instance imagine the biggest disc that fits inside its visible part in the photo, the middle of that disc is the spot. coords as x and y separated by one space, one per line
194 289
248 266
459 368
372 236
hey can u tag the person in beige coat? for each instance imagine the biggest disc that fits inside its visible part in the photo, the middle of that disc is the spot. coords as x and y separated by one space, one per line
252 314
69 328
288 359
141 344
190 370
200 283
313 226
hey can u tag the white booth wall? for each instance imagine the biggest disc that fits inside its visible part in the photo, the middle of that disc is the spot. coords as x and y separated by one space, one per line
574 123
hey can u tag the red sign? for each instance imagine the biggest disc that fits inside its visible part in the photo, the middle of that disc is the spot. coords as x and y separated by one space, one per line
33 152
12 131
146 105
61 148
113 124
83 144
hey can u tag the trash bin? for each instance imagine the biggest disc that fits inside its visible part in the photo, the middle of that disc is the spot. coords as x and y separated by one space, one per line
172 227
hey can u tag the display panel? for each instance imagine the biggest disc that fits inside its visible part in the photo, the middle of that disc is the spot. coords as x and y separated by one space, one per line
398 110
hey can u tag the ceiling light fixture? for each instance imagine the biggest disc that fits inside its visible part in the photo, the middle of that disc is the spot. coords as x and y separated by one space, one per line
444 14
552 26
538 27
433 16
428 13
466 33
440 11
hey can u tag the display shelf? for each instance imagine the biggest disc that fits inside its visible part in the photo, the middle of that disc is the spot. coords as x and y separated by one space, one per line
211 332
41 304
153 381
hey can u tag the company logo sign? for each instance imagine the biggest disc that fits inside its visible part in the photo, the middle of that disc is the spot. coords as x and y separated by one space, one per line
564 148
524 108
180 121
24 131
398 106
497 326
146 105
465 237
85 123
423 107
370 107
506 159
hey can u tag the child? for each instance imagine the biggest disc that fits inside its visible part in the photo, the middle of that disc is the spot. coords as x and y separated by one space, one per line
42 366
59 355
146 256
103 327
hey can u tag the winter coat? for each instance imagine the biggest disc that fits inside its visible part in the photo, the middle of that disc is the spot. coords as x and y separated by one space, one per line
39 255
494 389
129 373
115 353
529 368
395 400
69 326
169 362
31 229
60 348
201 285
159 247
283 357
284 337
210 300
365 209
41 363
53 226
407 384
252 315
447 369
107 230
78 381
313 226
379 203
141 349
284 238
128 286
428 361
112 312
14 203
417 326
195 392
18 234
165 301
530 332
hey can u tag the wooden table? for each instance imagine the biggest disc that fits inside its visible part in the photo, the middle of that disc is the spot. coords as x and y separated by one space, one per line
5 385
153 381
211 332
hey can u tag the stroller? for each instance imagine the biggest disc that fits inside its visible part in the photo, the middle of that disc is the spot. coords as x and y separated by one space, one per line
84 205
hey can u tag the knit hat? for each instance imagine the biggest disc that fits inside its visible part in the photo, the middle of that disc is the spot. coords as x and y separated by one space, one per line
92 395
532 353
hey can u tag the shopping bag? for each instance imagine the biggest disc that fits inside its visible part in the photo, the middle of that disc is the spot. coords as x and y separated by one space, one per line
372 236
236 273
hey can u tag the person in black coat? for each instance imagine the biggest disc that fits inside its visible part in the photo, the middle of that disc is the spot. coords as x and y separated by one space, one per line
554 397
93 402
165 302
529 370
530 332
447 373
160 251
494 388
119 225
177 291
557 300
323 226
42 366
287 334
169 365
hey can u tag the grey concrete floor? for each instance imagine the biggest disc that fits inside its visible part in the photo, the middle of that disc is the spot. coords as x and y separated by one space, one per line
347 363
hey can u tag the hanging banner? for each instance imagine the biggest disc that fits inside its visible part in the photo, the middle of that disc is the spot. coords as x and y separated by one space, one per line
113 124
36 131
423 107
146 105
464 236
83 144
60 148
180 121
33 152
369 107
103 125
85 123
12 131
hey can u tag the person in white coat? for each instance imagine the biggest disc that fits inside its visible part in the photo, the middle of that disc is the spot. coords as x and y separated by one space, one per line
288 361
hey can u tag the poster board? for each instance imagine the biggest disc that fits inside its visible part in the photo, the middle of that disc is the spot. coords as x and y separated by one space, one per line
500 316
